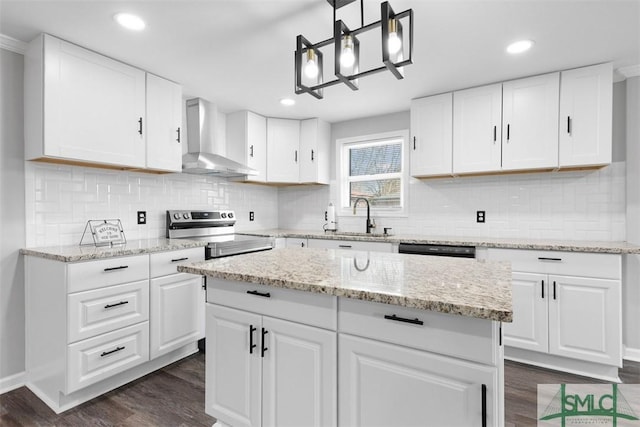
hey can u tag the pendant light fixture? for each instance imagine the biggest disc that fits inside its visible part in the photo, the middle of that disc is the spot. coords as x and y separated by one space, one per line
346 45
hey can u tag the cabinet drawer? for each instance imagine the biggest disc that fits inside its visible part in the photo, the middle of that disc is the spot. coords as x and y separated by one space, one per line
297 306
84 276
94 312
459 336
605 266
355 245
164 263
100 357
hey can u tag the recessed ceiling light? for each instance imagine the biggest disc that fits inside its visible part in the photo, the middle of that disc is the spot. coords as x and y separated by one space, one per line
520 46
129 21
287 101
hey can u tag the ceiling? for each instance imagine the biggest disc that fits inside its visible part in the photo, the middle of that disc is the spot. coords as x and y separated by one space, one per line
239 53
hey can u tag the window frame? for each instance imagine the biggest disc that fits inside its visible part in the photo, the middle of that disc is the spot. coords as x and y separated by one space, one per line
342 153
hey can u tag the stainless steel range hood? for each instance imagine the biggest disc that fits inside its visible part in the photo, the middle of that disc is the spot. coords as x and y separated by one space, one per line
206 150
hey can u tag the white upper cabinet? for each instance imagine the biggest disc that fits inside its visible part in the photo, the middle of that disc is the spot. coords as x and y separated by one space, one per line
530 123
432 135
82 106
315 135
164 124
477 129
586 96
247 142
283 146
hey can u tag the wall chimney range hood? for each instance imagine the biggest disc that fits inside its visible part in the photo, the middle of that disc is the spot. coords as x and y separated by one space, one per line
205 143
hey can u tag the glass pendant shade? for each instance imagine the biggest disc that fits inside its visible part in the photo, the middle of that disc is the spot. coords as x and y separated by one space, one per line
311 67
347 56
394 42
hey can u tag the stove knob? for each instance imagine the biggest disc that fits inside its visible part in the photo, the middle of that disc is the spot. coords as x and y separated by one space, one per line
223 215
176 215
230 215
185 215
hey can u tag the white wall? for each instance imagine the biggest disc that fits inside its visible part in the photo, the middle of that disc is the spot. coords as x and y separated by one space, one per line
631 290
12 222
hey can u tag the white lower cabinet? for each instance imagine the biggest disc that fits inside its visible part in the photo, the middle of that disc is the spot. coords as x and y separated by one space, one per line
267 371
295 242
566 310
350 244
384 384
177 310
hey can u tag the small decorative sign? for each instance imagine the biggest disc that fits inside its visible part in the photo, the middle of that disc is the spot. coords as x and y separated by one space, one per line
105 232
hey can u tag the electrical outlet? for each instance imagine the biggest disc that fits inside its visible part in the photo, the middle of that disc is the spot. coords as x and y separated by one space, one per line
326 216
480 216
142 217
251 216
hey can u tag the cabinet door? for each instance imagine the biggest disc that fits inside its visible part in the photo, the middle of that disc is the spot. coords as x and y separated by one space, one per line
432 135
476 129
529 329
294 242
283 157
388 385
247 142
350 244
164 124
586 109
176 306
585 320
530 122
315 137
233 392
299 375
94 107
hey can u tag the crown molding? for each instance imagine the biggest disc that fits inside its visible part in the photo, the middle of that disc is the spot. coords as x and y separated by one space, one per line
630 71
14 45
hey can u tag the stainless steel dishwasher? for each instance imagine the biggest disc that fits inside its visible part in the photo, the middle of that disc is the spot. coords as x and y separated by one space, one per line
437 250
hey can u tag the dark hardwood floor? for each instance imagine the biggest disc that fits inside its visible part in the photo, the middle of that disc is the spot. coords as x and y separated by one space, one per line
174 396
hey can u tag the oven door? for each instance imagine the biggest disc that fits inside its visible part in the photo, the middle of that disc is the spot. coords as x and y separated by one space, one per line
238 244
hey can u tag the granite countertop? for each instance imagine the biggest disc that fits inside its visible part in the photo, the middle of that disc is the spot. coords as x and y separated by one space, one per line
467 287
74 253
487 242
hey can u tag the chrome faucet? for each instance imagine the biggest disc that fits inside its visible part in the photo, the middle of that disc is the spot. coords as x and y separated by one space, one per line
370 224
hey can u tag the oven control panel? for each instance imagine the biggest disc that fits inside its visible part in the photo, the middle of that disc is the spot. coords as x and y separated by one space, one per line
199 217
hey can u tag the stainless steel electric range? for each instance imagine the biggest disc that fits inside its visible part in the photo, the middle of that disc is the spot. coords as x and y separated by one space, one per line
217 228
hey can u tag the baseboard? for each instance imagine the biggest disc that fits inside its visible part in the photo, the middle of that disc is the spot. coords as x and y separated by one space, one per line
632 354
12 382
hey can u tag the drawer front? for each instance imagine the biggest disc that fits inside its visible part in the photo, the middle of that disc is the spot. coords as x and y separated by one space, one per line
84 276
605 266
165 263
95 312
97 358
351 244
298 306
458 336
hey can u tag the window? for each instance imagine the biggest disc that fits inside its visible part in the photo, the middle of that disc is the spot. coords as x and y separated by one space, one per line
373 168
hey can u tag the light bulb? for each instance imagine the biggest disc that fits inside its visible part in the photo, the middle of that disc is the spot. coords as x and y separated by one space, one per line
394 43
347 57
311 67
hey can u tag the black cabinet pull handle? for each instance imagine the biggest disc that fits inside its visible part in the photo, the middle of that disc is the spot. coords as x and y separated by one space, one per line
569 125
554 289
180 259
415 321
178 140
508 131
140 125
122 267
116 304
106 353
542 258
302 244
260 294
345 246
484 405
264 332
542 287
251 151
414 142
495 133
312 155
251 344
296 156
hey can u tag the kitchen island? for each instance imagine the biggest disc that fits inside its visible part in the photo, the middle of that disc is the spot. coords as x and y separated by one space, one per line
331 337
